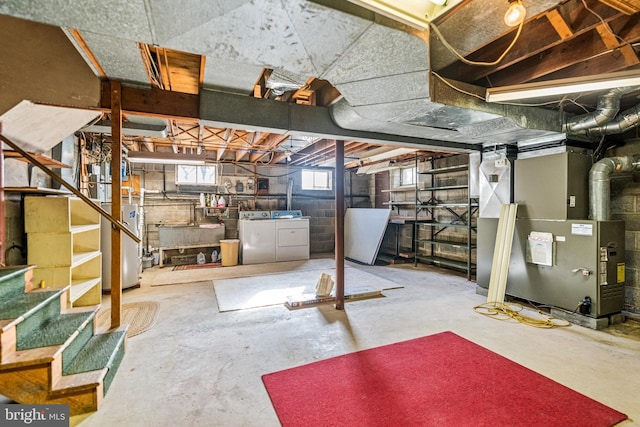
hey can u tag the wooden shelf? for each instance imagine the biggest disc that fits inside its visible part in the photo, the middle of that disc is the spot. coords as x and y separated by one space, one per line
47 161
80 258
80 287
63 242
36 190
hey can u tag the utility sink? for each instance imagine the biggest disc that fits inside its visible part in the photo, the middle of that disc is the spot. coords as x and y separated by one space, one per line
190 235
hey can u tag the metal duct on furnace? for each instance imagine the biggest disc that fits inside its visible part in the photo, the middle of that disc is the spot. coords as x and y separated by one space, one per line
600 184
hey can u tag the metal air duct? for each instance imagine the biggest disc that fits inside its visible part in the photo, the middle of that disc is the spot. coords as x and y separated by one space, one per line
605 120
600 184
608 107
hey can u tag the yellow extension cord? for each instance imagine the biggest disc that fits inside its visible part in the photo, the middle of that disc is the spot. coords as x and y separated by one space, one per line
506 311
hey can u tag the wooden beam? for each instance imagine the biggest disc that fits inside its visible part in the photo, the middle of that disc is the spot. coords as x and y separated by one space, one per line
260 89
559 24
83 45
569 53
540 36
228 137
608 37
629 54
150 146
602 64
272 141
154 102
612 41
116 204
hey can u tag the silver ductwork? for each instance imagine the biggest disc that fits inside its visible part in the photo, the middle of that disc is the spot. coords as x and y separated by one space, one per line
624 121
608 107
605 120
600 184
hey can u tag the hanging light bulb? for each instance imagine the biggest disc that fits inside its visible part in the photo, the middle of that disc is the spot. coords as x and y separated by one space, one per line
515 14
439 2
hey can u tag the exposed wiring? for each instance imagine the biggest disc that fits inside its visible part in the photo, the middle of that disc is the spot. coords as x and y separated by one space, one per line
560 102
469 62
263 175
457 88
507 311
604 23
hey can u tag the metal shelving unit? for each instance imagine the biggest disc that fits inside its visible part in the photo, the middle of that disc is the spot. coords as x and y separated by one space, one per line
434 235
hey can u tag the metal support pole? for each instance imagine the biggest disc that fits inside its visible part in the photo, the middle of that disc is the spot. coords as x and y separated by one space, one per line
339 225
116 204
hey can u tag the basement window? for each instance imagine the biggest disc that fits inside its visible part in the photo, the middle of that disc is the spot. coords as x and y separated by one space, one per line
196 175
313 179
408 176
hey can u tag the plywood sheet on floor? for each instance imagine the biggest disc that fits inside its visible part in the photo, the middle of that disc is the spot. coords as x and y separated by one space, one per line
273 289
157 276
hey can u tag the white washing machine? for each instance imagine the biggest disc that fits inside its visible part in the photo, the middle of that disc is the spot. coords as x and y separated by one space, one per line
273 236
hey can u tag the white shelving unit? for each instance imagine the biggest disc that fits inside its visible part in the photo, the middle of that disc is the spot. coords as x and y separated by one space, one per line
63 242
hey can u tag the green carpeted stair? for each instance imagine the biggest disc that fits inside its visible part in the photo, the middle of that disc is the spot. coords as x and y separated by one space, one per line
50 353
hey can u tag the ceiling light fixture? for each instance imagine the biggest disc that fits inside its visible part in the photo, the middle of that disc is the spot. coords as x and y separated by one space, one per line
563 86
415 13
515 14
164 158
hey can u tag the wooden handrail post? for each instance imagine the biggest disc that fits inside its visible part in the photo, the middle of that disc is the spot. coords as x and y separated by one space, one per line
116 204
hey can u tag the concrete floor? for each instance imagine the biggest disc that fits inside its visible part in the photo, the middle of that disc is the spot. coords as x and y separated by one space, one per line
197 366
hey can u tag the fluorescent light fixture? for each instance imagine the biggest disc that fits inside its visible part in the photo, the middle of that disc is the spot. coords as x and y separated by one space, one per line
164 158
383 153
415 13
375 168
563 86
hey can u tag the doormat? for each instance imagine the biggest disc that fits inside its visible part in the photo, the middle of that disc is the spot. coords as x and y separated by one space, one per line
140 316
438 380
196 266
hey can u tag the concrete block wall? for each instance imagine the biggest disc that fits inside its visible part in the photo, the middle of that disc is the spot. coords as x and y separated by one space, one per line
166 203
625 205
322 222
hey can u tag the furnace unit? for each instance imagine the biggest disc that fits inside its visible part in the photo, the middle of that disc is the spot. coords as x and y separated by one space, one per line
559 257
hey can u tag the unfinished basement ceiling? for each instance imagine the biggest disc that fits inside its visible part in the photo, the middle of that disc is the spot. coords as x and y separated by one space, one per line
371 72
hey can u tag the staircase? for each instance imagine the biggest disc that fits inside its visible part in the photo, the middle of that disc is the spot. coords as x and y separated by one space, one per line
49 353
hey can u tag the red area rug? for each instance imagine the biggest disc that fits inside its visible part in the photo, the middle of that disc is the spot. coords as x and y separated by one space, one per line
439 380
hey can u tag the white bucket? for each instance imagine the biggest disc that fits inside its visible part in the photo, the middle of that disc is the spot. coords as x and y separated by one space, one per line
147 262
